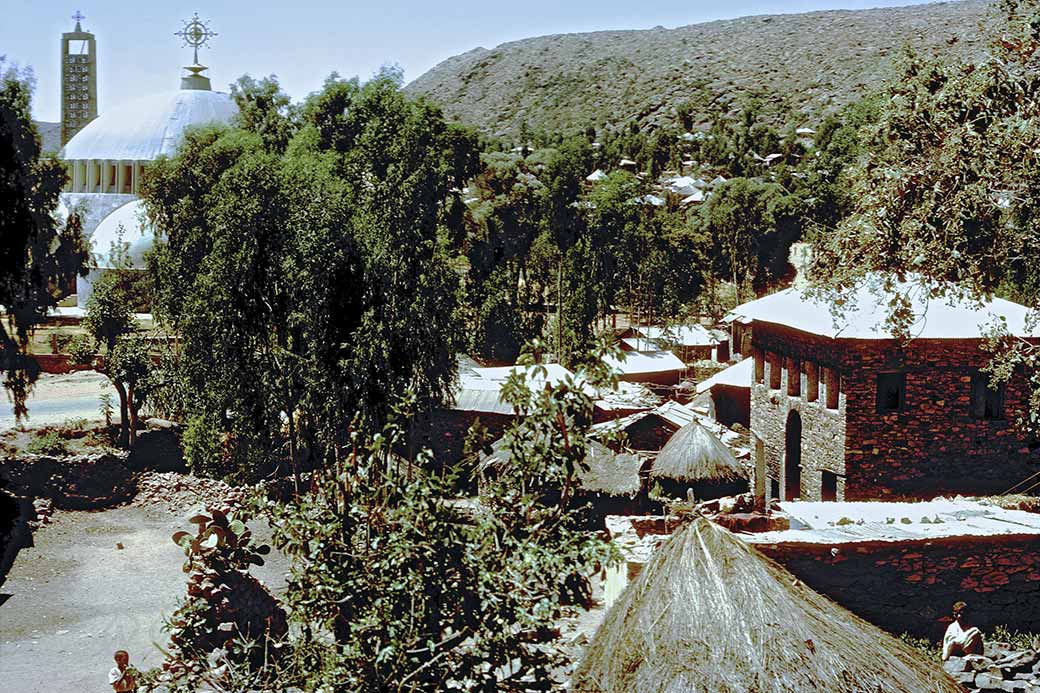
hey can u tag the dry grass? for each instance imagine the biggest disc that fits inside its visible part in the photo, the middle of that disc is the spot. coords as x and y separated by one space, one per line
709 613
696 454
614 474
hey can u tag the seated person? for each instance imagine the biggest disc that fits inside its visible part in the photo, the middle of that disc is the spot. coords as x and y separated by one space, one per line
961 637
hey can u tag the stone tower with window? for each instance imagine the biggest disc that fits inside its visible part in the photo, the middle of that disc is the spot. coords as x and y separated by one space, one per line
78 80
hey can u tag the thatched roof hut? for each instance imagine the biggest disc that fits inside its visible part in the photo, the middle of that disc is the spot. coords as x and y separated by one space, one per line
609 473
709 613
696 454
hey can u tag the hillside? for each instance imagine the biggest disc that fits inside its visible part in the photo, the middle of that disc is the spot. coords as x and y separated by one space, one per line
50 135
802 63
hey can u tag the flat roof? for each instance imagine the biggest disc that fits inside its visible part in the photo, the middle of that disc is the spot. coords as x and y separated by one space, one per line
737 375
844 523
865 309
646 362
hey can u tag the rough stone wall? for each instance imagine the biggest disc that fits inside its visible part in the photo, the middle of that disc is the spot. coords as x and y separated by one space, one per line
823 428
934 445
911 586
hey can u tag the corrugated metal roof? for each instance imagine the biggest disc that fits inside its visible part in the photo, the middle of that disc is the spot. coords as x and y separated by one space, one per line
633 362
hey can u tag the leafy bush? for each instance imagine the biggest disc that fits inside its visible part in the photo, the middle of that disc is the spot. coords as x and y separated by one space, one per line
48 443
228 616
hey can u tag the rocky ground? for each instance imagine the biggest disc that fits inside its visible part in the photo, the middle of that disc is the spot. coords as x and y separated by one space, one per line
98 581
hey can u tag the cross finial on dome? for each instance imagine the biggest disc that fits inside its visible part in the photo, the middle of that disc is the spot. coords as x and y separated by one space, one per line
79 17
195 33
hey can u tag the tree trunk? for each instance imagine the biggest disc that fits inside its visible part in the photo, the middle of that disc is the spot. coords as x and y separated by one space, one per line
292 449
559 310
132 410
124 414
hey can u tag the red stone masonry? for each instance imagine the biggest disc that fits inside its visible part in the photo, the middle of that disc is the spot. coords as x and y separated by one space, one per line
933 445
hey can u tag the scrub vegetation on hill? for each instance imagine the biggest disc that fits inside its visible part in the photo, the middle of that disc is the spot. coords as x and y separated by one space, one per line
802 67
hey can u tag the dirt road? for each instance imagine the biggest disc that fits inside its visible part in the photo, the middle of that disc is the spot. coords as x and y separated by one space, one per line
74 598
58 398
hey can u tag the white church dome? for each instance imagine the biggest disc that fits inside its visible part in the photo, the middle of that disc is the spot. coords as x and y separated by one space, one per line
125 229
146 128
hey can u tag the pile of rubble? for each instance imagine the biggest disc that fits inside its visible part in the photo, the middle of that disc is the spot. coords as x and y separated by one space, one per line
73 482
178 492
1001 668
44 513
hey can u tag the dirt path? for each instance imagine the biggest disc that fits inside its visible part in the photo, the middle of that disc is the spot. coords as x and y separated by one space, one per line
74 598
58 398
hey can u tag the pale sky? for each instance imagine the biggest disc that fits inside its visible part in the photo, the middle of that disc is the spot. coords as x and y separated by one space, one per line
302 41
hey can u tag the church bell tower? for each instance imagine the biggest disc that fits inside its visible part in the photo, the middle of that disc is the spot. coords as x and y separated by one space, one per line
78 80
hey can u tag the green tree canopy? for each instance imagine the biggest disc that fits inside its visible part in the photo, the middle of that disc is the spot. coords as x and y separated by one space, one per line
312 286
39 255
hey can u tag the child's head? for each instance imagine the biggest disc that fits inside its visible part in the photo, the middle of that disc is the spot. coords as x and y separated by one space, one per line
122 657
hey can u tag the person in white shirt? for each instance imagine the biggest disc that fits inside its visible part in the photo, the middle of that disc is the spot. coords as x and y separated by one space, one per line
122 677
961 637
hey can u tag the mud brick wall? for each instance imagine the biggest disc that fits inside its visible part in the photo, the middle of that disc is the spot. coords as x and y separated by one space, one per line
933 446
910 586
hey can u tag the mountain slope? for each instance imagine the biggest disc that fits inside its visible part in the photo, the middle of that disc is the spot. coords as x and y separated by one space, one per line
801 63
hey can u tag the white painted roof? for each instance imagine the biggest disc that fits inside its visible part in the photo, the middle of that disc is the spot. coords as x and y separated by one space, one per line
737 375
805 131
683 335
146 128
479 389
596 175
652 200
646 362
127 227
694 198
670 411
842 523
864 314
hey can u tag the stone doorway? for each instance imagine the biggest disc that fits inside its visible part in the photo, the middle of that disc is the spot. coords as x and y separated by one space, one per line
793 457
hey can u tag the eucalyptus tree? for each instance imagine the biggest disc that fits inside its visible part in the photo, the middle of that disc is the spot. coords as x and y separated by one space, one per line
312 287
39 254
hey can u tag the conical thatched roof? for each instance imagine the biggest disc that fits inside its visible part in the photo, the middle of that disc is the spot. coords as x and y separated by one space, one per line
709 613
694 453
608 472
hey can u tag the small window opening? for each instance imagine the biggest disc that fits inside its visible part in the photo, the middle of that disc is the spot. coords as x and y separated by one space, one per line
828 486
833 384
812 382
794 378
986 402
891 392
774 371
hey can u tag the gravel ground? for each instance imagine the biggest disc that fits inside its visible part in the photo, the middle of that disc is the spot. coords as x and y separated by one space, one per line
74 598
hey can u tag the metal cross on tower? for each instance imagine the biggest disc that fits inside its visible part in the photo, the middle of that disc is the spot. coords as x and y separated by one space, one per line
79 17
195 33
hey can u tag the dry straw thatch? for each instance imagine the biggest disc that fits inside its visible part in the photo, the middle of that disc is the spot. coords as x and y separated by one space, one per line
696 454
709 613
609 473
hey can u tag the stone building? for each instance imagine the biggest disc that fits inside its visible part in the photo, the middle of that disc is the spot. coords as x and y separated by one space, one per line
841 410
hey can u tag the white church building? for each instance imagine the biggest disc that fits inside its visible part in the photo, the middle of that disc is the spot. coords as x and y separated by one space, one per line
106 158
